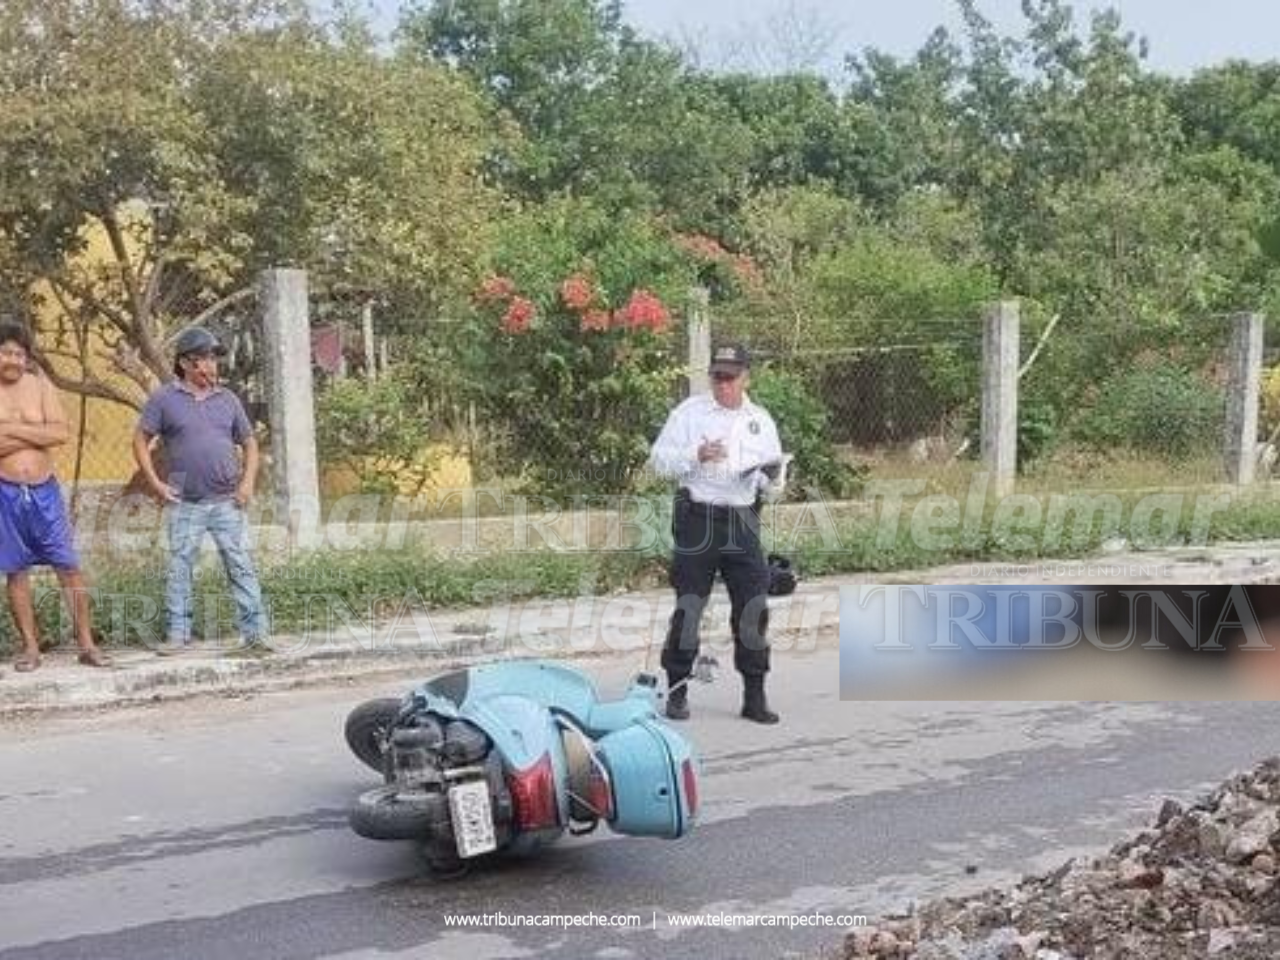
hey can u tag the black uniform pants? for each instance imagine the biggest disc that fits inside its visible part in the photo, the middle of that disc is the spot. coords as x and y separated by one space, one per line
710 539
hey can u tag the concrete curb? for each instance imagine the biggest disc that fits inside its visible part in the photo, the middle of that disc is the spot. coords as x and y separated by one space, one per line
139 677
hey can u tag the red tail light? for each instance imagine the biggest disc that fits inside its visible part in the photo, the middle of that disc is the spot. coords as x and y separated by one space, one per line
533 794
690 786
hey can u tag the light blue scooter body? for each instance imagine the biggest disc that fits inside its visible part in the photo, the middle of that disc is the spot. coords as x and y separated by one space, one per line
655 777
653 768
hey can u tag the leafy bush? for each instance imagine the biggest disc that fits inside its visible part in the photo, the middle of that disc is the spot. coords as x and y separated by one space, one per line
880 290
1269 420
373 429
1161 408
573 350
1037 430
803 429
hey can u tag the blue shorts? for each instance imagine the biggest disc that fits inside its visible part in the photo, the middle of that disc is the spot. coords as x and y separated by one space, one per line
35 529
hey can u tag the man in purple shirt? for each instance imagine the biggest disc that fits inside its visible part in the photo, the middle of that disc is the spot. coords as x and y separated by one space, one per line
201 424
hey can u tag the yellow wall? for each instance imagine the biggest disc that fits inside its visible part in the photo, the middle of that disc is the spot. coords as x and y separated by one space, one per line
438 468
108 425
107 455
108 433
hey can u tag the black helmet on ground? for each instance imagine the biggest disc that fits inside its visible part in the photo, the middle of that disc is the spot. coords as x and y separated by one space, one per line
782 577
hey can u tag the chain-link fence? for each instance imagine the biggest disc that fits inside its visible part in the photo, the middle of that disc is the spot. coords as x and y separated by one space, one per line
1269 406
1122 408
420 407
1098 406
902 403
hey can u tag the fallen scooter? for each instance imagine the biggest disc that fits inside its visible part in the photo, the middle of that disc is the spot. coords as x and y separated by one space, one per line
506 758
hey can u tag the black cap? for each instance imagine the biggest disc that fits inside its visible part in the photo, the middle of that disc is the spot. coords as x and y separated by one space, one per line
197 340
729 358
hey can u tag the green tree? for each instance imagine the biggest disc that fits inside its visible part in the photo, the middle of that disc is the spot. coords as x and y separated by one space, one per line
542 62
93 143
365 168
252 137
1231 117
603 112
793 123
902 124
1236 104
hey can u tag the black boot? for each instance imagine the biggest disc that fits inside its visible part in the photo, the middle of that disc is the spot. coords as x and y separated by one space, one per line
754 706
678 701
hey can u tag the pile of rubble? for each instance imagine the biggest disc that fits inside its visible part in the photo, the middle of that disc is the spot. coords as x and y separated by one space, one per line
1200 882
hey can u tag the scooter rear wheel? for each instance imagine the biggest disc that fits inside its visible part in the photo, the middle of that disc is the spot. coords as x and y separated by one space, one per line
385 814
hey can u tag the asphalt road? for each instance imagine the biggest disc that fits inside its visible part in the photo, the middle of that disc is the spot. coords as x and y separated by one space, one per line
217 829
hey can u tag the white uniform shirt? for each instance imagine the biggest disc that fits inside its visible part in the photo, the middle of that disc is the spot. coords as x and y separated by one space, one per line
750 438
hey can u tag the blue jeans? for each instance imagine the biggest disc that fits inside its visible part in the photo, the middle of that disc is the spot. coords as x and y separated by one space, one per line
187 524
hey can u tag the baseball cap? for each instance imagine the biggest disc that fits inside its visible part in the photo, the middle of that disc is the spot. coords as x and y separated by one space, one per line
729 358
197 340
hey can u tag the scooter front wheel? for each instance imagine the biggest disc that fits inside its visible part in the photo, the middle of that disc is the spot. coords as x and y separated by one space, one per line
367 728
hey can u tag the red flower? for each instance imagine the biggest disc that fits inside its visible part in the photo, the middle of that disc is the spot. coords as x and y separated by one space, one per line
595 320
496 289
748 271
577 293
518 316
644 311
703 247
710 250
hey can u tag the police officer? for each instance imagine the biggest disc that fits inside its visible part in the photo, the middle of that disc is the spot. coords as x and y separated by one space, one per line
714 446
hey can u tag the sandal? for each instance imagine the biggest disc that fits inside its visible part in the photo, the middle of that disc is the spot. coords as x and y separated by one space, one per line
94 658
25 664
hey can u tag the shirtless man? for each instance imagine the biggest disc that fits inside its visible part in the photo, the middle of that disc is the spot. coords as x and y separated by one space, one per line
34 527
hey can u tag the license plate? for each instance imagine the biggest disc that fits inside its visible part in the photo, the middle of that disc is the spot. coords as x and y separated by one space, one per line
472 818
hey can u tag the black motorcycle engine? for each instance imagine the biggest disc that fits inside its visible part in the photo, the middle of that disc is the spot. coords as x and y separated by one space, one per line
426 755
415 756
464 744
426 747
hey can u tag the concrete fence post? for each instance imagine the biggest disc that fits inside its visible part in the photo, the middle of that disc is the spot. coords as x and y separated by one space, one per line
370 357
1243 387
1000 356
286 328
699 347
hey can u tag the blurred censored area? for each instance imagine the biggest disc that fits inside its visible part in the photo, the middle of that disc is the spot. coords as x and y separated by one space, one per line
1125 643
